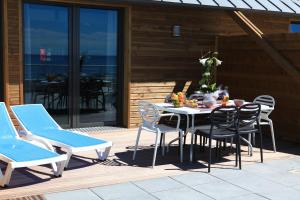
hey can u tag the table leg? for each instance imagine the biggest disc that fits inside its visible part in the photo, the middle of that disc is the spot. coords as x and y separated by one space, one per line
192 139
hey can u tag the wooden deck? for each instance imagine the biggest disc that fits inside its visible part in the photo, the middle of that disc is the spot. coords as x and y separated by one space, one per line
86 173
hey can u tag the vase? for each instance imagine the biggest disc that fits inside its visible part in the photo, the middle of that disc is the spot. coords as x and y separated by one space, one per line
209 99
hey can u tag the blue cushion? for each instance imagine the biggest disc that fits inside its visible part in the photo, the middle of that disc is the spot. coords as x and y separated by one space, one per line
69 138
22 151
36 119
7 129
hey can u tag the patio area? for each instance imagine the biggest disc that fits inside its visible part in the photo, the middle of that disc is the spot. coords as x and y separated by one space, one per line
140 181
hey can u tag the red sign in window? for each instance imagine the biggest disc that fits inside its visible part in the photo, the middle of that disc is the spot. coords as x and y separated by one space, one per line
43 55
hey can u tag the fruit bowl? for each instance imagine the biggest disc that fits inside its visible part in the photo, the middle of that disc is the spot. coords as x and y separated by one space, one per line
239 102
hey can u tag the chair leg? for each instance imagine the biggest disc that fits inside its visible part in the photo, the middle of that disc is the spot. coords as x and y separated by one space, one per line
192 146
209 155
253 138
249 139
231 141
239 152
261 143
272 134
217 147
137 142
181 146
158 135
163 139
160 142
194 149
236 151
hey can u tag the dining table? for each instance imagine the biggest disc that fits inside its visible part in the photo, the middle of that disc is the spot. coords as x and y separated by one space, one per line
190 114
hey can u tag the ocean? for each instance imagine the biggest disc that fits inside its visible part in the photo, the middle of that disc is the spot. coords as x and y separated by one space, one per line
39 67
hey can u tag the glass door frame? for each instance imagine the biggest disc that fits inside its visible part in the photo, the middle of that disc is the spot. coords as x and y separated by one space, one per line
74 54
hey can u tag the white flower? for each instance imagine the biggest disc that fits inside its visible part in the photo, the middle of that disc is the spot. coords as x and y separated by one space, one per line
203 86
218 62
203 61
206 74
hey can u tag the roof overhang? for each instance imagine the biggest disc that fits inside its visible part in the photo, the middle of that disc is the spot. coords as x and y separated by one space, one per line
290 7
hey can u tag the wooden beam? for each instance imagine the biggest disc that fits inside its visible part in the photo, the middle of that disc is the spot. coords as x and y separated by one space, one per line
21 80
127 68
5 53
255 33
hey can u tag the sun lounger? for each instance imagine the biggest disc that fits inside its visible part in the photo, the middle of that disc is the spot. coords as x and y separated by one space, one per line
18 153
40 126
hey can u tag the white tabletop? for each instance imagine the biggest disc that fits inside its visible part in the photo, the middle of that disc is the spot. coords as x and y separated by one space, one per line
194 111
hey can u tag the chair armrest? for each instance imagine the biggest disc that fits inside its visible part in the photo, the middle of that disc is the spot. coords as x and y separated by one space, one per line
171 115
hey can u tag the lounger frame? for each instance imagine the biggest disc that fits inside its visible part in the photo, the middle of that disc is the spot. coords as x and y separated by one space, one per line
102 150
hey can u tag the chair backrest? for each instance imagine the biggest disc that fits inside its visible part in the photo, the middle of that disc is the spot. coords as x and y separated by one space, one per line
34 117
248 114
198 97
7 130
149 114
224 117
265 100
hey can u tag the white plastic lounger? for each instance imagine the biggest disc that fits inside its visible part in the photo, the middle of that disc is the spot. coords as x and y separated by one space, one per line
19 153
40 126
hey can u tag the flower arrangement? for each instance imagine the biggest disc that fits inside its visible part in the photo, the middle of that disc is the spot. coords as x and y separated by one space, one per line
178 99
209 62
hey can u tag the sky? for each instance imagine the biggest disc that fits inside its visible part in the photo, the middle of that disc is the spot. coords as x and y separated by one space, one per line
46 27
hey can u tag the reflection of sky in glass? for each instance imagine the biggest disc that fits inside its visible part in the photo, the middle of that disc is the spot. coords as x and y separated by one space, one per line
98 32
295 27
46 27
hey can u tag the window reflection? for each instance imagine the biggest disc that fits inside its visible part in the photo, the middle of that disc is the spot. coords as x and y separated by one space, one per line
98 65
46 58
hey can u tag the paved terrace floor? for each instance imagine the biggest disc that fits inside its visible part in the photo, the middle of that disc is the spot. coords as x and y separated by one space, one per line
121 178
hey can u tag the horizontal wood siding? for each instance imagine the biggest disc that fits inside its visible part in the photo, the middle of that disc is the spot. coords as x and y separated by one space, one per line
14 53
249 72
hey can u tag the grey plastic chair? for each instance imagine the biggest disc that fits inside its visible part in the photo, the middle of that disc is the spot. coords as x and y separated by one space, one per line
150 117
264 117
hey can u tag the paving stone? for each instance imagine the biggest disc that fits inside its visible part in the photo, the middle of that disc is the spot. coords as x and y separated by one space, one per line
83 194
284 178
297 187
261 169
226 174
158 184
267 188
124 190
221 190
195 178
284 164
248 197
180 194
140 197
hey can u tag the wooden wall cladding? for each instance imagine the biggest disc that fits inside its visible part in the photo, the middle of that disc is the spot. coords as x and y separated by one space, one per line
13 52
249 72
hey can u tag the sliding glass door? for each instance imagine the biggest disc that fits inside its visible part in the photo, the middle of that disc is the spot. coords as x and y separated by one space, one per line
98 48
47 59
72 63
